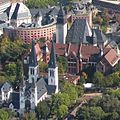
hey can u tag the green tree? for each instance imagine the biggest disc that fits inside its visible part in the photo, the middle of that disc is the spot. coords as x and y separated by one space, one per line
63 61
11 50
71 90
90 113
60 68
117 66
110 103
10 69
30 116
62 111
4 115
113 116
40 3
98 79
19 73
43 110
113 79
43 66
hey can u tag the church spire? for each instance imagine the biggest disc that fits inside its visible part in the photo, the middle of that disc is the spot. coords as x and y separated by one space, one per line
52 63
33 57
61 16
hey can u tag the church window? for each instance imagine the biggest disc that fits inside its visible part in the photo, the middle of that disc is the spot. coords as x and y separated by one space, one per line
51 73
51 80
31 71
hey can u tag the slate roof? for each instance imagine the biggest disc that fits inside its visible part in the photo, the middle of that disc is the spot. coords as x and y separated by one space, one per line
51 89
79 31
103 4
15 13
3 17
15 100
33 57
52 63
41 87
6 86
98 36
43 11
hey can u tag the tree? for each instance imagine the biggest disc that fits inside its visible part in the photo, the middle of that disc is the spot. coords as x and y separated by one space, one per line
63 61
4 114
90 113
19 73
40 3
62 111
43 110
10 70
60 68
57 100
98 79
113 116
43 66
11 50
30 116
71 90
117 66
110 103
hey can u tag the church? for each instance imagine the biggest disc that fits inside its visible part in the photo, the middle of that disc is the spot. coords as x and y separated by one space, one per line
35 88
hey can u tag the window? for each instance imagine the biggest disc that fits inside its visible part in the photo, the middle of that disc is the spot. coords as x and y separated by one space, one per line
51 80
31 71
51 73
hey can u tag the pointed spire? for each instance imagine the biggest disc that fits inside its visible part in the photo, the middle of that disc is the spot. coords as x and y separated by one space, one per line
52 63
61 15
33 57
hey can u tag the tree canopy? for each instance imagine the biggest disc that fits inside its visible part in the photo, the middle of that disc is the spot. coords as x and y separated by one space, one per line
40 3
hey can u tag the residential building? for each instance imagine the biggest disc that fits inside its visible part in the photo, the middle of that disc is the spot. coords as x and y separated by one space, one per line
108 61
80 55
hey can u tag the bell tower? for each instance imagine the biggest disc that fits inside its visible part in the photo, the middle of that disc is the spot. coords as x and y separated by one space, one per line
53 69
33 65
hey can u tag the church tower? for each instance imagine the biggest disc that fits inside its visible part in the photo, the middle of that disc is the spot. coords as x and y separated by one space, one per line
61 27
33 65
53 69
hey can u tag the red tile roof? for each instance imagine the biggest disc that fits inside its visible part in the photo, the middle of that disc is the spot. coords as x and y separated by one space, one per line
112 57
71 78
